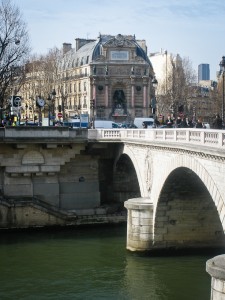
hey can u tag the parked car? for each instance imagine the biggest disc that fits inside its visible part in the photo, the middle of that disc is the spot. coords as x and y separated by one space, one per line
127 125
28 123
148 121
105 124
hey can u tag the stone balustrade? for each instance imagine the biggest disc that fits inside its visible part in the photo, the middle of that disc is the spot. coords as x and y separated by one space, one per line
198 137
201 137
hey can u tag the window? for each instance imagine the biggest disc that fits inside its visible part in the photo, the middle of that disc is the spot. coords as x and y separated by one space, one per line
119 55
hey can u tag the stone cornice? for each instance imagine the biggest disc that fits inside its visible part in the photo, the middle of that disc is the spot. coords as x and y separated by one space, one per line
210 154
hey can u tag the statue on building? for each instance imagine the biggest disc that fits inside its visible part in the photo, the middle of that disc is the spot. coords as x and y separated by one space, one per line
119 99
119 102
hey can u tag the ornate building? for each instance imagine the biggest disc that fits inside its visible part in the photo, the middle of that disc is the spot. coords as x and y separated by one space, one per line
110 78
114 71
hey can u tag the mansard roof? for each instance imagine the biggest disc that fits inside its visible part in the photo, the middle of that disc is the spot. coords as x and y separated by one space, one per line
92 50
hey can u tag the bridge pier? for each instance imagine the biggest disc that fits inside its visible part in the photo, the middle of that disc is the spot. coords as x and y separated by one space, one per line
216 268
139 224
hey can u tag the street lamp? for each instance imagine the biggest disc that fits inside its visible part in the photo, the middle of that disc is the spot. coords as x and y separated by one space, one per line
222 71
153 100
51 97
92 104
154 82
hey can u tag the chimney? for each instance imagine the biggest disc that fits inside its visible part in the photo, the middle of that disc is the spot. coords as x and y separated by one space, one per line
82 42
66 47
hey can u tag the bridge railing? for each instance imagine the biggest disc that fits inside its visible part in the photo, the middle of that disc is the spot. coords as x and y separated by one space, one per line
201 137
52 133
194 136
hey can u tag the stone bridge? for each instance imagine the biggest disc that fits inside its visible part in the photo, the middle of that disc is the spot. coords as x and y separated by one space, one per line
181 179
171 182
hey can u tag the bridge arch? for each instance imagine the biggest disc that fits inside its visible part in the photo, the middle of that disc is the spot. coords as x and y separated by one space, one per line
188 206
125 181
195 166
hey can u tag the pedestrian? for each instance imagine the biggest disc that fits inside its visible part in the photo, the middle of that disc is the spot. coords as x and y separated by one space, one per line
169 122
217 122
144 125
157 123
199 123
189 123
183 123
178 122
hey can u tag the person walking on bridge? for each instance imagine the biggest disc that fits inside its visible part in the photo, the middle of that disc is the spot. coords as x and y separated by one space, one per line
199 123
169 122
217 123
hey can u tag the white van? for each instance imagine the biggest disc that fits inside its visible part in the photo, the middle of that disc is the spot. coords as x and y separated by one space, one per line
105 124
206 125
139 122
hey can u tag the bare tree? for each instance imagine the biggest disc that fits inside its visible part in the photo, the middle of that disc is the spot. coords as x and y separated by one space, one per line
14 48
175 88
42 78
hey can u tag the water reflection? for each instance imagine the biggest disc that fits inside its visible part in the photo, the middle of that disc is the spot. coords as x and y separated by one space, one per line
94 264
167 278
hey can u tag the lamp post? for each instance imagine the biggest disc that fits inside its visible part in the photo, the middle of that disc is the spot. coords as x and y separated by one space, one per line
33 106
26 116
92 102
222 71
51 97
153 100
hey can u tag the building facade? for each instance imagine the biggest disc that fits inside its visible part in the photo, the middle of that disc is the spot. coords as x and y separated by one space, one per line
112 72
108 78
169 73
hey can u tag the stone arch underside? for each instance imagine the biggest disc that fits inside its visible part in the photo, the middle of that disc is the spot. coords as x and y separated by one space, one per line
187 207
125 181
132 152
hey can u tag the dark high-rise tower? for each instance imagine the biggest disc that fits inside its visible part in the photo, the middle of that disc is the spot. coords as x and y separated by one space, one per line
203 72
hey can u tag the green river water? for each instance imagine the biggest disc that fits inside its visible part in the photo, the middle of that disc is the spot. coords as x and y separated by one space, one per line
93 263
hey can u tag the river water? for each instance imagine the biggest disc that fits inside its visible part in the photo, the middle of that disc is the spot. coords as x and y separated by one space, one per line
93 263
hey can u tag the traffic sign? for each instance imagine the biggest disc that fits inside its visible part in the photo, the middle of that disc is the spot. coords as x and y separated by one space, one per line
60 115
16 101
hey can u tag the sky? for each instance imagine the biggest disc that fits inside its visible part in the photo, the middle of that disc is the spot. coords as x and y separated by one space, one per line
194 29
